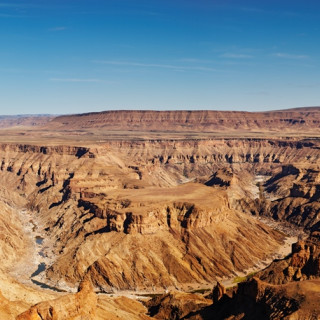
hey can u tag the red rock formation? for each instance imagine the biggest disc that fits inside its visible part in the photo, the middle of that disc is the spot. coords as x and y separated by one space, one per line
302 264
102 199
136 212
218 292
81 305
175 305
204 120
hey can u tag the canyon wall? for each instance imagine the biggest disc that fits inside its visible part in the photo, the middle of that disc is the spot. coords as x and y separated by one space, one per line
138 214
291 120
143 213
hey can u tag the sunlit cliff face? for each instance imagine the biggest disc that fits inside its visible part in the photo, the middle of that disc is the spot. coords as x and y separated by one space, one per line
187 203
148 214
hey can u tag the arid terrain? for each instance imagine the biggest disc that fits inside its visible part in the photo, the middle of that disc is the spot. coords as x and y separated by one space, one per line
159 215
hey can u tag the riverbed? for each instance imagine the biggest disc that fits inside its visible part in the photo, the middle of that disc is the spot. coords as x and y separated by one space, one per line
33 271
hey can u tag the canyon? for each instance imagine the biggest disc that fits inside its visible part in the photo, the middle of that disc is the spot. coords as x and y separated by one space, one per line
100 211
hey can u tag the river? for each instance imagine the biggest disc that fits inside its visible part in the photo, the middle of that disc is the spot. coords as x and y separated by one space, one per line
33 271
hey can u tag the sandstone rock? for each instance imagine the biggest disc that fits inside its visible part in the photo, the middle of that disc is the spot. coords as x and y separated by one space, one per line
79 306
218 291
120 308
127 211
175 305
255 299
303 263
9 309
295 194
297 275
82 203
289 272
203 120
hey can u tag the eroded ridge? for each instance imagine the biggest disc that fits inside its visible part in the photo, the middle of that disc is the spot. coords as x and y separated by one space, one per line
150 216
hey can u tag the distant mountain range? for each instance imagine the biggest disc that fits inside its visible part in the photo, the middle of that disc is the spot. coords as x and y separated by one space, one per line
24 120
289 120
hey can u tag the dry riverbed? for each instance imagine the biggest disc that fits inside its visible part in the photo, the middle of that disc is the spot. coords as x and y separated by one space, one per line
31 271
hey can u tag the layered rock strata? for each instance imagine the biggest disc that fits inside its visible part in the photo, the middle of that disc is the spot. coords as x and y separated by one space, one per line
197 121
97 203
273 293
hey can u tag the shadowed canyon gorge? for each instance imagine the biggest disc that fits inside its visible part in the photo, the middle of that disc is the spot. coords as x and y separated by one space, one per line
159 215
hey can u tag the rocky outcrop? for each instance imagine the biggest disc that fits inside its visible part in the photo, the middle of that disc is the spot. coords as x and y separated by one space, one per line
169 257
251 300
96 202
289 193
303 263
12 238
255 299
87 202
81 305
149 211
222 178
120 308
175 305
9 309
218 292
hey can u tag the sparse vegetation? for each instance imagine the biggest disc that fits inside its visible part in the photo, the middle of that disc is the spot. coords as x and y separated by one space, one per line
244 278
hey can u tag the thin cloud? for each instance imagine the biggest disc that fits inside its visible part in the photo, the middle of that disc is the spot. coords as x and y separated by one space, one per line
74 80
290 56
5 15
153 65
236 56
256 10
195 60
58 29
307 86
259 93
141 12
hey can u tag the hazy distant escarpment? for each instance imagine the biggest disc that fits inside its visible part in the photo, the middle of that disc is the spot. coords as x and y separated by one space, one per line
306 119
33 120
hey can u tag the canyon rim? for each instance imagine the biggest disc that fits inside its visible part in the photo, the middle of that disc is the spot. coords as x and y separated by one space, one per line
160 214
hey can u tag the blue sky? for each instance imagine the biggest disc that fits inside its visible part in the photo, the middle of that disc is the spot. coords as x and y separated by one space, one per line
76 56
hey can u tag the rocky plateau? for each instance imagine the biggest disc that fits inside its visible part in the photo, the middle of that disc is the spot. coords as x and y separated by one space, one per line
99 212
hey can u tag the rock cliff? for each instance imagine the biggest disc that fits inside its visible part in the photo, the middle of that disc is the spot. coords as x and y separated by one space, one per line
290 194
287 289
302 264
196 121
119 194
81 305
149 214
